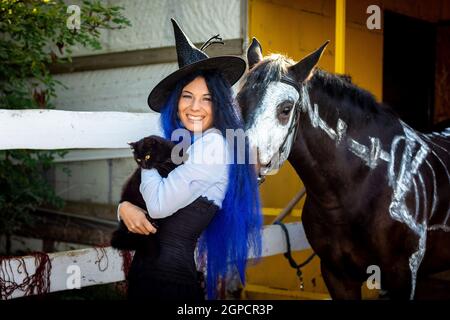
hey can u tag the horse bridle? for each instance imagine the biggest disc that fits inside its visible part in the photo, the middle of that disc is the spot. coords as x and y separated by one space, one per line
297 109
294 124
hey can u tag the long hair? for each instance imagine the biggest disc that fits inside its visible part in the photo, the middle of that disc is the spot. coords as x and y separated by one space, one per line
236 227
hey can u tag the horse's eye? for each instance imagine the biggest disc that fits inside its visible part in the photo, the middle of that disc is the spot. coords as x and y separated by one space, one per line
283 111
147 157
285 108
286 111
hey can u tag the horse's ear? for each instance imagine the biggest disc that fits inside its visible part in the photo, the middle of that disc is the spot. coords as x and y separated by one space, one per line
254 53
302 69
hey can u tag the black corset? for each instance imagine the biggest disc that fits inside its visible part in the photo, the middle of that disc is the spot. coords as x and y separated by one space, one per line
170 273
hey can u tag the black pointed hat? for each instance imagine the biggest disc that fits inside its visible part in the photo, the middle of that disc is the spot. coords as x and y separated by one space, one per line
191 59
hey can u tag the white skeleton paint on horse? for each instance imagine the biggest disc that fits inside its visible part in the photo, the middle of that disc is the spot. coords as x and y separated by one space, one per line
378 191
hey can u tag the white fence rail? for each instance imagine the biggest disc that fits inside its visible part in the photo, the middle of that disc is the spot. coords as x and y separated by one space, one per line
92 266
52 129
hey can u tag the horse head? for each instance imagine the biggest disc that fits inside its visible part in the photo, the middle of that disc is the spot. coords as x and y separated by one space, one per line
271 99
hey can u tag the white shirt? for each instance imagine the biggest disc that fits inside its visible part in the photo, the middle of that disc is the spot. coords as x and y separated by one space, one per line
205 173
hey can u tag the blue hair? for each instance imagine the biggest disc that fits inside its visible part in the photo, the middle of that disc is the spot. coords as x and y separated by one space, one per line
236 227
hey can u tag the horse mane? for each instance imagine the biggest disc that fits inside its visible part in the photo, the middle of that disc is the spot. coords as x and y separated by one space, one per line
271 68
274 66
328 86
340 87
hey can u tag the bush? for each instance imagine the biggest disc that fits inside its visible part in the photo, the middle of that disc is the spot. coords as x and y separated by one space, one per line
34 35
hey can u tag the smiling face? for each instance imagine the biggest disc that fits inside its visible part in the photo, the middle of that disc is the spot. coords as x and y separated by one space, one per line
195 108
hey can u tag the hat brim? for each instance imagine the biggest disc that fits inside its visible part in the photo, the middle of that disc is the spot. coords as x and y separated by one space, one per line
231 68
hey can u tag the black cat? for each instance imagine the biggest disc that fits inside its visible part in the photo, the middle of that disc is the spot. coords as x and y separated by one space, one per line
149 152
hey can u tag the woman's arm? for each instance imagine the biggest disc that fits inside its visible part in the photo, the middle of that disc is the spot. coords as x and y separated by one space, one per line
205 166
134 218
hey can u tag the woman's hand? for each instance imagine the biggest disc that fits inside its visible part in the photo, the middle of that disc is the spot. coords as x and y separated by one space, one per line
134 218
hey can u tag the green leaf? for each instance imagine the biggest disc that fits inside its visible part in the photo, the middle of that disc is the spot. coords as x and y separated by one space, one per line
25 36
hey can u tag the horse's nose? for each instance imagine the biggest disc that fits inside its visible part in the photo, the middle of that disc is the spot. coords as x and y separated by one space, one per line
262 163
260 177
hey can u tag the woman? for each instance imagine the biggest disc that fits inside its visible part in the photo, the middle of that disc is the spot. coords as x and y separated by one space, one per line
208 196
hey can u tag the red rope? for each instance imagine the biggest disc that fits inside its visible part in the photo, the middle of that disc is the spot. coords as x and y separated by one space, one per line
39 282
127 259
101 255
35 284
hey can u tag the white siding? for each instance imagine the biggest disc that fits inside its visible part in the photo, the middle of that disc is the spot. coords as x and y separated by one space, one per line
151 26
93 181
121 89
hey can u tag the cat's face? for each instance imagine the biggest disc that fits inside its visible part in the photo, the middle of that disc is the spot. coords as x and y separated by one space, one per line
151 150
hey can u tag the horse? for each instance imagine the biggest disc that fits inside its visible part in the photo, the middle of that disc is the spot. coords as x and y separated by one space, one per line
377 190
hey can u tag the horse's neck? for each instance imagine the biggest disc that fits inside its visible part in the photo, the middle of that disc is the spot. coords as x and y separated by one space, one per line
330 149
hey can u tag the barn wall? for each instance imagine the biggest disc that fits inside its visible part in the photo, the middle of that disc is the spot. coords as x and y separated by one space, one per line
120 89
151 27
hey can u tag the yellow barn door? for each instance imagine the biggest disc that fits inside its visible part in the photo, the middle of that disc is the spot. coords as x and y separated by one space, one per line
296 28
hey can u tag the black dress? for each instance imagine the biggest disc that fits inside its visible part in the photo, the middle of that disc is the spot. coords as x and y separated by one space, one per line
170 273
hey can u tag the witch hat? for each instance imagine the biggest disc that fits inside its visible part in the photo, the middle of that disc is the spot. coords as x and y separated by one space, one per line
192 59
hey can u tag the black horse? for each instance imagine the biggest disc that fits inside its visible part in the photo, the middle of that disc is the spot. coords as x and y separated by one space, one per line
378 191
